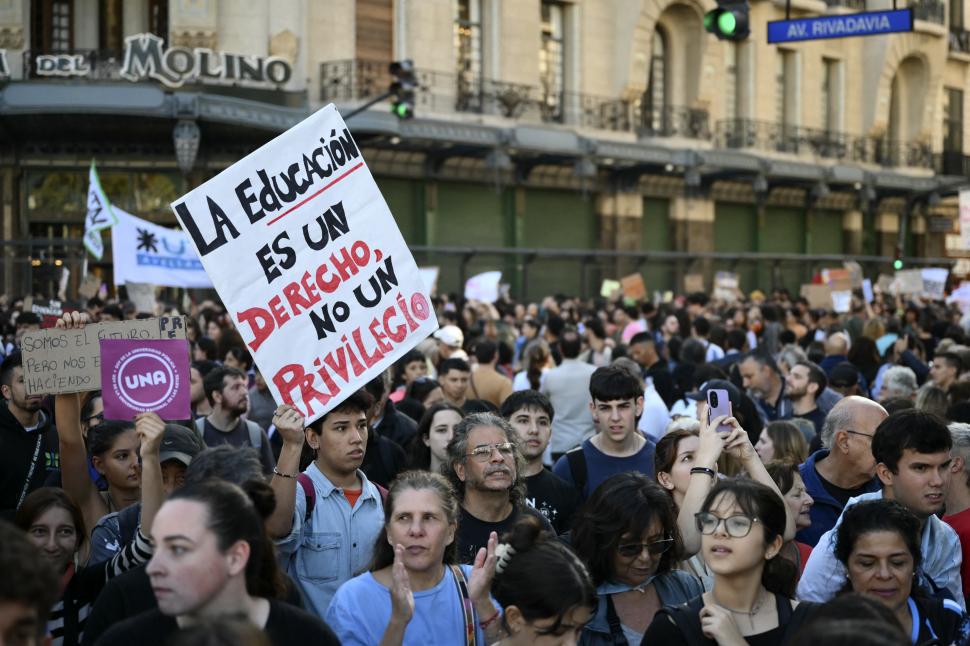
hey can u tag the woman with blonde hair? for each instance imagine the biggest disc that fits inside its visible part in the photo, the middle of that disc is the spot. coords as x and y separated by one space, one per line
782 441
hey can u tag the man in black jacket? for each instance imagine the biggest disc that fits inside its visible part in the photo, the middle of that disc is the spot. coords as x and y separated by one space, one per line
28 440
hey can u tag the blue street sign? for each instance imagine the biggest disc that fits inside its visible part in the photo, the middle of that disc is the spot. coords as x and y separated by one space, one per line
870 23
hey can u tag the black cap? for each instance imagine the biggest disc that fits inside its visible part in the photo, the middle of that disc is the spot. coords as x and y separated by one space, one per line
844 375
715 384
179 443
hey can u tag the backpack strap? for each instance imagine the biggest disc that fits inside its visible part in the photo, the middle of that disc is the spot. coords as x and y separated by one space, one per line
311 495
687 618
255 434
577 467
616 629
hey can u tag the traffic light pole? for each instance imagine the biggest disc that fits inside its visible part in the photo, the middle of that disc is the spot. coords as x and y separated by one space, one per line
361 108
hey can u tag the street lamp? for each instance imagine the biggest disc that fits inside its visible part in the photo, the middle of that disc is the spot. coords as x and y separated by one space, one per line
186 136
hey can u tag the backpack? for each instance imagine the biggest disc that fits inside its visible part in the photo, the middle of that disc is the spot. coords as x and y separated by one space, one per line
311 494
577 467
255 432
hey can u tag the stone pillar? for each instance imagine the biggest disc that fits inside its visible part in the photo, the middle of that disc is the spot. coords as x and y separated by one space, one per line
887 228
8 229
852 231
693 222
620 217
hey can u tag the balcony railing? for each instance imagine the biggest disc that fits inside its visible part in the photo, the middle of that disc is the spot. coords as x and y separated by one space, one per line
959 40
929 10
953 162
92 64
827 144
857 5
357 80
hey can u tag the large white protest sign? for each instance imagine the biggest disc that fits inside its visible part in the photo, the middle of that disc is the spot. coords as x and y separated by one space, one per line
934 282
148 253
308 260
483 287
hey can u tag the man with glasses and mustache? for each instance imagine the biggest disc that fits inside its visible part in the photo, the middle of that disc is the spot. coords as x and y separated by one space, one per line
486 467
844 468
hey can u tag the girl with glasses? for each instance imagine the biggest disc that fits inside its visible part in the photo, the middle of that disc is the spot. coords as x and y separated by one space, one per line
878 542
627 535
741 523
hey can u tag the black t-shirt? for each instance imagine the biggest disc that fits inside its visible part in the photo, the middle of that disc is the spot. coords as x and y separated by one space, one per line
473 533
285 625
239 437
816 417
664 631
554 498
383 459
841 495
130 594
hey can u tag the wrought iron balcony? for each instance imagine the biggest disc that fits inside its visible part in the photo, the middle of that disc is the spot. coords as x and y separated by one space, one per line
673 121
358 80
953 162
91 64
959 40
857 5
929 10
917 154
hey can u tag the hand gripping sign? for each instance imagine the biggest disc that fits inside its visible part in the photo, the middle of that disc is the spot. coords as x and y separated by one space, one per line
308 260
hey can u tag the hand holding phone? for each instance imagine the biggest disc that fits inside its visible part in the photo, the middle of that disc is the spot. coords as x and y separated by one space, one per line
719 405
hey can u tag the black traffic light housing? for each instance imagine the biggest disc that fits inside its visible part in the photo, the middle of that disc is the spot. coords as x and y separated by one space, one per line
403 85
729 21
898 258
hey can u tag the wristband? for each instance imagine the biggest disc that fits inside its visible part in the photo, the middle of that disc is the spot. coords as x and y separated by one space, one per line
705 471
488 622
284 475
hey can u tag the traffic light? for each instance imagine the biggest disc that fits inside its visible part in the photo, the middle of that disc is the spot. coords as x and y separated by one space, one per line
729 21
898 260
403 84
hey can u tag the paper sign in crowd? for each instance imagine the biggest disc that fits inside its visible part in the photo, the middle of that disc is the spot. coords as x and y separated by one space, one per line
308 260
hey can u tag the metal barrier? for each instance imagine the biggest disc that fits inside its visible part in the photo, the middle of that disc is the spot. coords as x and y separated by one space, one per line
31 265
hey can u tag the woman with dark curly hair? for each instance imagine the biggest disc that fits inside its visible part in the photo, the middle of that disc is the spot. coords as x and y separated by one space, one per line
878 542
627 534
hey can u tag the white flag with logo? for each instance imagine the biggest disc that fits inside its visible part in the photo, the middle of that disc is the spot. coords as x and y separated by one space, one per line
99 217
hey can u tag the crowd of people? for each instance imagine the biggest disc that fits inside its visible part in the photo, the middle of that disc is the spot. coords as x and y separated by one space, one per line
541 473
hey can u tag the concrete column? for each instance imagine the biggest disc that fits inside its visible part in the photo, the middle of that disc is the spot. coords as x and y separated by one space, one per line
620 218
852 232
887 228
693 222
7 227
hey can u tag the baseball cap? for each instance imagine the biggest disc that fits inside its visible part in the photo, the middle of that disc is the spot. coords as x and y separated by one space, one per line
179 443
844 375
450 335
714 384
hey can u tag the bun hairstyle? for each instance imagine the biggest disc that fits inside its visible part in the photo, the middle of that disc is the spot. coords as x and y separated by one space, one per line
759 501
539 575
237 513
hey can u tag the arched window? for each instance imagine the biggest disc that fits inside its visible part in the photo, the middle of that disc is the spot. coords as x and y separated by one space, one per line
655 98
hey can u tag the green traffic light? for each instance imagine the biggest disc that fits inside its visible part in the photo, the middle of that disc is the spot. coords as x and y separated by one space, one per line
897 264
727 23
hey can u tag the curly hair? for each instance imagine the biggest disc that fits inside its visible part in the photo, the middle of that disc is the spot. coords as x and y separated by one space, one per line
458 450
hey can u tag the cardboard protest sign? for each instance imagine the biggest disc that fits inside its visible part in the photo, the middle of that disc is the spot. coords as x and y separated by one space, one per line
934 282
855 273
308 260
609 288
89 286
726 286
840 280
819 297
910 281
842 301
68 361
483 287
142 295
145 376
633 287
885 283
693 283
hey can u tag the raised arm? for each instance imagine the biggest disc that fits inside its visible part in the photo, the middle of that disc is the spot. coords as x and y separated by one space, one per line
75 478
289 424
150 428
708 451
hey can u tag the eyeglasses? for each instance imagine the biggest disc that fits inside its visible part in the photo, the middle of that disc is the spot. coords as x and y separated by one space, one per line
858 433
656 548
484 453
736 526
